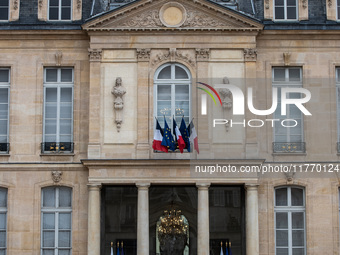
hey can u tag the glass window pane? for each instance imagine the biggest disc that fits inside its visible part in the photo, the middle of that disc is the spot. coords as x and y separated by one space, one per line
65 197
180 73
3 197
164 92
51 74
2 239
66 13
182 108
64 239
279 13
281 197
48 221
64 252
279 74
182 92
291 2
3 13
298 251
294 74
3 95
281 220
64 220
66 74
50 127
65 2
48 252
297 197
298 237
49 197
279 2
51 94
51 111
281 238
65 127
66 111
53 15
3 221
54 2
4 2
4 74
164 108
291 12
48 238
297 220
2 252
281 251
165 73
66 95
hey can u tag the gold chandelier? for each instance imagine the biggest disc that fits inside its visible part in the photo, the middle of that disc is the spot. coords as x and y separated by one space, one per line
172 223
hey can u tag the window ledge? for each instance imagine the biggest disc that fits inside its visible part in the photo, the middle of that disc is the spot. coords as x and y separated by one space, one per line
5 154
289 153
57 154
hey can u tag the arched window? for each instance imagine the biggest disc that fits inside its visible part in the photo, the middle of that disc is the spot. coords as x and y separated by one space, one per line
56 221
172 94
3 221
290 231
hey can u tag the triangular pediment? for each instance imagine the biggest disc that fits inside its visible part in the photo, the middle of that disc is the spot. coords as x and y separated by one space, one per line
176 15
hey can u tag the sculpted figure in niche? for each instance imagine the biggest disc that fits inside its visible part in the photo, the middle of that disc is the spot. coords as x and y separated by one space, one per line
118 91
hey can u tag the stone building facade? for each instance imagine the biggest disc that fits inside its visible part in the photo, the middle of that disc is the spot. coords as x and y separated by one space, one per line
81 82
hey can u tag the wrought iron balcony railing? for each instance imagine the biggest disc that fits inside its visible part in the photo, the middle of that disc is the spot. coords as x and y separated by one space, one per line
298 147
4 148
52 147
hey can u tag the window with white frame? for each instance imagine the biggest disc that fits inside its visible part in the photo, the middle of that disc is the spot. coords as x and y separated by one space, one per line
285 9
4 109
59 10
290 231
56 221
338 9
288 139
337 75
4 10
58 110
3 221
172 94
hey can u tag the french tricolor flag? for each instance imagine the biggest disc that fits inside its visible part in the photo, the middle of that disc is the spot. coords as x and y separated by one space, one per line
179 138
157 139
193 136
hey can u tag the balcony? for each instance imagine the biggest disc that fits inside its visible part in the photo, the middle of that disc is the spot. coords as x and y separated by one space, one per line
4 148
52 147
297 147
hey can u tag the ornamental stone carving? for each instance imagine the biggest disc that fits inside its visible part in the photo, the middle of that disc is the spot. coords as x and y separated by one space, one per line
267 4
146 19
304 4
227 100
78 4
40 3
199 19
250 55
58 57
56 176
330 3
118 91
95 54
202 54
173 55
143 54
286 58
16 4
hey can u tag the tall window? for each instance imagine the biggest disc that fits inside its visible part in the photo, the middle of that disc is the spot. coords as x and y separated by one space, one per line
338 103
58 110
4 109
56 215
172 93
4 10
290 232
288 139
59 9
286 9
3 221
338 9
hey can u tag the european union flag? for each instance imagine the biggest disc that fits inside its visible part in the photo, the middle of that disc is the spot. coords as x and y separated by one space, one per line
185 135
168 139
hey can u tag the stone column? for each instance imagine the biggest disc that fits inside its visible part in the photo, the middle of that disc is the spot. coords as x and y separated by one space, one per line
252 220
93 242
203 219
143 219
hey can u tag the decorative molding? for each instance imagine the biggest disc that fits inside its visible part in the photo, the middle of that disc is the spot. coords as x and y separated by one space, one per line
143 54
286 58
78 4
266 4
197 19
330 3
56 176
289 176
143 20
41 3
95 54
16 4
173 55
58 57
202 54
118 91
250 54
177 7
304 4
227 99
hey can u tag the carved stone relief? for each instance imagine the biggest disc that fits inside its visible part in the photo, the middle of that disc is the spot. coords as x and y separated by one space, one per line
227 101
286 58
16 4
58 57
118 91
250 54
173 55
304 4
95 54
202 54
41 2
143 54
330 3
56 176
267 4
146 19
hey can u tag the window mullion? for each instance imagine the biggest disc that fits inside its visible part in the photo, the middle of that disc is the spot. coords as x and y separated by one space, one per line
173 103
290 233
59 7
58 114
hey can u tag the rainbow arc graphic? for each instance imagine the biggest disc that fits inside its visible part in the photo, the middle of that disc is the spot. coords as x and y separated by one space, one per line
209 93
